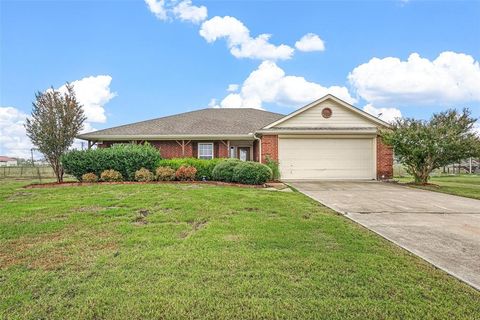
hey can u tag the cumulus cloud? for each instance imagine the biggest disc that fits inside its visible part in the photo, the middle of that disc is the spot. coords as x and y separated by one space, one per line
239 41
386 114
233 87
310 42
185 11
157 7
450 78
269 84
92 92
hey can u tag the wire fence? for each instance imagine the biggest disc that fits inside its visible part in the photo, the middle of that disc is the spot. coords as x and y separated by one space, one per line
26 172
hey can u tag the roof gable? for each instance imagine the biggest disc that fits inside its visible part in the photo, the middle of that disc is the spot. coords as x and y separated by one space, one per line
343 115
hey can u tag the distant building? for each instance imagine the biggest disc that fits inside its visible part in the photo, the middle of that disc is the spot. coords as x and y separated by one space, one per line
7 161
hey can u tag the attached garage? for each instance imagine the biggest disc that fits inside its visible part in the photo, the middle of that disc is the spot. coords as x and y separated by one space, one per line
326 157
328 139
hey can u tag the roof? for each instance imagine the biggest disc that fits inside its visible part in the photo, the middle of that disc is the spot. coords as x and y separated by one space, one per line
5 159
204 122
347 105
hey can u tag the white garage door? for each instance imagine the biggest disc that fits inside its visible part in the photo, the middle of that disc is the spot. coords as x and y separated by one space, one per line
333 158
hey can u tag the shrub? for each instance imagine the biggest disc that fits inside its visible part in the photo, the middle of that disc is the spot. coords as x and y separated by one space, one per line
89 177
124 158
111 176
186 173
204 167
273 165
165 174
144 175
251 173
223 171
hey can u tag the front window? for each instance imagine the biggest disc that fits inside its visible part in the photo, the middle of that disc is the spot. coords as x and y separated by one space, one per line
205 151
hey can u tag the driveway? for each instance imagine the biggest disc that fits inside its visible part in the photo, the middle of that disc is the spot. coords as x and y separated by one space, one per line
442 229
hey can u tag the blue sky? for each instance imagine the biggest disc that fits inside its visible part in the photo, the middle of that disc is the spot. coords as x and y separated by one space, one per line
134 61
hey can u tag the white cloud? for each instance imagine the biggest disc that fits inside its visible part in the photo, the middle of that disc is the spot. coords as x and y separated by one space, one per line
157 7
450 78
310 42
239 41
386 114
269 84
13 139
233 87
93 93
185 11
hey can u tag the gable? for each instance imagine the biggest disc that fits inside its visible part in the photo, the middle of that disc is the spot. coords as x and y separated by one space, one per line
342 117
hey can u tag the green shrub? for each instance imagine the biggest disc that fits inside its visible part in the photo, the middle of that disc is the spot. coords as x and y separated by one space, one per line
223 171
144 175
249 172
111 176
165 174
89 177
186 173
204 167
125 158
273 165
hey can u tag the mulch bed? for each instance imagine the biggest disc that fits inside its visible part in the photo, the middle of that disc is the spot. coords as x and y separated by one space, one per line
78 184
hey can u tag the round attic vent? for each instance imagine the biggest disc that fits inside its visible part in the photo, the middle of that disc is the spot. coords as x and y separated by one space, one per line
326 113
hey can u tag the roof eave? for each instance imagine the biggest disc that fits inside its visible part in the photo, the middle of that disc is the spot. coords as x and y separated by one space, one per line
153 137
319 132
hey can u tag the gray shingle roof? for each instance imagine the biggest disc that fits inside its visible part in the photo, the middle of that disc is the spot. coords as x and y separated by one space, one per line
235 121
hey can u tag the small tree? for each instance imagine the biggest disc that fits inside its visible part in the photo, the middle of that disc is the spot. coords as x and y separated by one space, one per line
55 122
423 146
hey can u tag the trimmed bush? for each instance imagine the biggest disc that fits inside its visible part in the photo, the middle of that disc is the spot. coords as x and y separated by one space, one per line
124 158
204 167
223 171
89 177
249 172
165 174
186 173
111 176
273 165
144 175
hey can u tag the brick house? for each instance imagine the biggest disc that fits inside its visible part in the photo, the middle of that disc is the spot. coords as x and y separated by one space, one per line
326 139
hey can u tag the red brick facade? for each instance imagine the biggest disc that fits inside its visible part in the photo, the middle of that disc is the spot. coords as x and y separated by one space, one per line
384 160
269 147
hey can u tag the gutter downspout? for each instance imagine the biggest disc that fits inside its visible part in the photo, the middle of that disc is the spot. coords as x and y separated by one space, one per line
259 147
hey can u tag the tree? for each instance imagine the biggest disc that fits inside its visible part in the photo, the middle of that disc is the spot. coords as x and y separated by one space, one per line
55 122
423 146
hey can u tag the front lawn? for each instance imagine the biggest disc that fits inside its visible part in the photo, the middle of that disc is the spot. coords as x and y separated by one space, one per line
197 251
462 185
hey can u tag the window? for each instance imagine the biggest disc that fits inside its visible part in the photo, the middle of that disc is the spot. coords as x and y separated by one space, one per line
205 151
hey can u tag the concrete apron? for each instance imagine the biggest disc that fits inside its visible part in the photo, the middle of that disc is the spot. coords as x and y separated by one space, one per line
442 229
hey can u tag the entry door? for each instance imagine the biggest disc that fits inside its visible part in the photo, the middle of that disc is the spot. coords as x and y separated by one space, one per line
326 158
243 154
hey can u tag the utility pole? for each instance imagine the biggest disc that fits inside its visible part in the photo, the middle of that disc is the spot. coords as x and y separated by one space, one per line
31 152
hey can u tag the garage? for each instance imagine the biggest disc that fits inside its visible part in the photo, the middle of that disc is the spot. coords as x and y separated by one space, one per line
326 157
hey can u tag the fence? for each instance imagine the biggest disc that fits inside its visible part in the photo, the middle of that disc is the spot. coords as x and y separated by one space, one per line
27 172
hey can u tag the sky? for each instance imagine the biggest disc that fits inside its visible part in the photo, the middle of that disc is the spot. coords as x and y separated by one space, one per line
136 60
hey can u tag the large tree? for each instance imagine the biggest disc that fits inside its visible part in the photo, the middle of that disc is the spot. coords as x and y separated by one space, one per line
56 120
423 146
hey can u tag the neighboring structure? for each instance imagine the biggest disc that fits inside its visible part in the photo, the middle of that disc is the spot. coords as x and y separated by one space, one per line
326 139
7 161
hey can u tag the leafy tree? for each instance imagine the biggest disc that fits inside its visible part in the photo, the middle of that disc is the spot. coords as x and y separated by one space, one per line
423 146
55 122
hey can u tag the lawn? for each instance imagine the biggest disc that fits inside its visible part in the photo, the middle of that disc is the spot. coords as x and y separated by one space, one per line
463 185
176 251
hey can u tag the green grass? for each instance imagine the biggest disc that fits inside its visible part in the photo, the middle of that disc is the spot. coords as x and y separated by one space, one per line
205 252
463 185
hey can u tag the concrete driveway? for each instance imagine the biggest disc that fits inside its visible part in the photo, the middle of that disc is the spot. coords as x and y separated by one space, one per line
442 229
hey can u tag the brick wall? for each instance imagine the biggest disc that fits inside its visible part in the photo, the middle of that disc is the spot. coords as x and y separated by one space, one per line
269 147
222 150
384 160
171 149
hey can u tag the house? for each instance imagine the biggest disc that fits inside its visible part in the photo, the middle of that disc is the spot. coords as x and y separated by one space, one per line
326 139
7 161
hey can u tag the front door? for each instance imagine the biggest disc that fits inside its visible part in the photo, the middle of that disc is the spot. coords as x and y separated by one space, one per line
243 154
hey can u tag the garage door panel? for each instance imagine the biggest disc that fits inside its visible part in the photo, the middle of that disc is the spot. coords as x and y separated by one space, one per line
326 158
